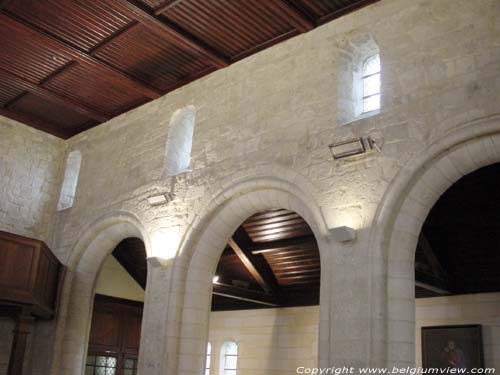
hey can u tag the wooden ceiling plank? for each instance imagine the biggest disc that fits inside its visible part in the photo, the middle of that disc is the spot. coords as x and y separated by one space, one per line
55 98
171 33
35 123
294 17
119 34
54 42
346 10
281 245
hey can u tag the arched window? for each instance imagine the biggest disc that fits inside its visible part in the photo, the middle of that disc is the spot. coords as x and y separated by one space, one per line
70 181
180 141
207 363
371 83
358 78
229 358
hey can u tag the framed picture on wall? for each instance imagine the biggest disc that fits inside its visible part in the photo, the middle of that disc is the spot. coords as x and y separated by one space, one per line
458 346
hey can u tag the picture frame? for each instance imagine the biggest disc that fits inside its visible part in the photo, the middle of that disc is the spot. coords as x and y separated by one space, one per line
453 346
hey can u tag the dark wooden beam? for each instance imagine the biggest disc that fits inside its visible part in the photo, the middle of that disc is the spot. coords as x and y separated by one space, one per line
171 32
56 43
53 97
242 294
36 123
250 266
283 245
294 17
166 6
431 257
346 10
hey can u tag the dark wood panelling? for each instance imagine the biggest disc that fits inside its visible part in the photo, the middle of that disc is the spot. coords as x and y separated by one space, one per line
101 89
9 90
48 111
25 54
102 58
116 326
29 275
326 10
229 26
276 225
83 24
151 58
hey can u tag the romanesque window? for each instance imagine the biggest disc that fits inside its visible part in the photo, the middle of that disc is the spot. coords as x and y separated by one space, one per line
371 83
229 358
207 363
358 78
179 141
70 181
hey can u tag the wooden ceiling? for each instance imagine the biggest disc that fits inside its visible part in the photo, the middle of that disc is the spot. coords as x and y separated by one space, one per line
131 254
459 248
69 65
272 260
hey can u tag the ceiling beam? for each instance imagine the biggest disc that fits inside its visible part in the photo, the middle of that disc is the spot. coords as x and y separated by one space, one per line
53 97
250 266
431 288
241 294
56 43
171 32
166 6
431 257
282 245
345 10
35 123
292 15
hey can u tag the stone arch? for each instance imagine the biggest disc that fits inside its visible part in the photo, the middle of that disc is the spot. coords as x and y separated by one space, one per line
83 268
398 223
199 257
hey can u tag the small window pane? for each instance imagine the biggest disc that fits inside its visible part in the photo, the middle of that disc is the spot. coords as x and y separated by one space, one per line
230 362
371 65
371 103
101 361
89 370
100 371
231 348
229 372
371 85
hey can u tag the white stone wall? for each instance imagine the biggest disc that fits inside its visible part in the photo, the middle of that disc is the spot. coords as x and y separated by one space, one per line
29 179
268 120
270 341
481 309
115 281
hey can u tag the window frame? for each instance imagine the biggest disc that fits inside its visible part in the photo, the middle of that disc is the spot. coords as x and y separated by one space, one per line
228 371
364 77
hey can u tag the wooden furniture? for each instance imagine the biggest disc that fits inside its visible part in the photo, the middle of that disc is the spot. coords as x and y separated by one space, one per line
30 277
115 335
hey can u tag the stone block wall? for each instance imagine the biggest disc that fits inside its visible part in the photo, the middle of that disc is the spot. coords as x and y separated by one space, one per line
270 341
30 164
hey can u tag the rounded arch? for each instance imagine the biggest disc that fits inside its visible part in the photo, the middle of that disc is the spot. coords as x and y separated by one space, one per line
207 239
398 222
87 257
